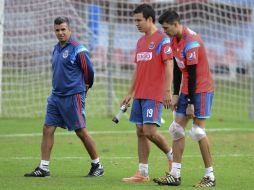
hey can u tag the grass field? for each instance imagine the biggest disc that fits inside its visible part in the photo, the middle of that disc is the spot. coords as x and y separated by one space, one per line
232 149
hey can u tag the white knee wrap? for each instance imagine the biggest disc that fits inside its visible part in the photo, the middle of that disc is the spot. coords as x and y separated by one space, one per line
197 133
176 131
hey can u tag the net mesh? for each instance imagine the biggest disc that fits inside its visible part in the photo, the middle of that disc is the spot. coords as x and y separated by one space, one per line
107 29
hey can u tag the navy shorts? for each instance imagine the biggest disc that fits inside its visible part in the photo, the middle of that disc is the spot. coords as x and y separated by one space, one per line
146 111
67 111
202 104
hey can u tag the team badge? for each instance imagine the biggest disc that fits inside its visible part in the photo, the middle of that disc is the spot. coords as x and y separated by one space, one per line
65 54
167 50
151 45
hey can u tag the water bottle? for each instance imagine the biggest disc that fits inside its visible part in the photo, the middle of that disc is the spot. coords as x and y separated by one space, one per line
122 110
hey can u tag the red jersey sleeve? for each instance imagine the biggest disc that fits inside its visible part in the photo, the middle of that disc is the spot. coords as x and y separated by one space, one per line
165 48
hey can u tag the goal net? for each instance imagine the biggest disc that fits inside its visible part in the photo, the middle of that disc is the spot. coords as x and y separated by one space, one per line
107 29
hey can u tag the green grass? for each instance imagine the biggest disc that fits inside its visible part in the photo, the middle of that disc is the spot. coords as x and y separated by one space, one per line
24 94
232 151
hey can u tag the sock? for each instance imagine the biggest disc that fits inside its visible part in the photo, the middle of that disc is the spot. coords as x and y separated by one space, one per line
170 155
44 165
143 168
176 169
209 172
96 161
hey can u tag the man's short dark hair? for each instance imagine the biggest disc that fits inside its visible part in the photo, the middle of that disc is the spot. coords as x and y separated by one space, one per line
169 17
61 19
147 11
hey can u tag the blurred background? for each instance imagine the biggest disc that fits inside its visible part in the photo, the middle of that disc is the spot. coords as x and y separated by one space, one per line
107 29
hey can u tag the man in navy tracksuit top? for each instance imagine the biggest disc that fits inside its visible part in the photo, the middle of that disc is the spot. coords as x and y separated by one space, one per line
73 75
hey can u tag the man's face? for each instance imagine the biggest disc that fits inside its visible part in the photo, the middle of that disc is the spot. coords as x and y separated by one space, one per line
142 24
170 29
62 32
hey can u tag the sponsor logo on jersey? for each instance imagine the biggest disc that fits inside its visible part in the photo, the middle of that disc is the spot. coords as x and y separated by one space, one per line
191 56
180 63
144 56
65 54
182 54
167 50
151 45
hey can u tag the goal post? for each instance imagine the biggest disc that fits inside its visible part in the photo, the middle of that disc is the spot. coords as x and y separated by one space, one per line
251 107
107 29
1 48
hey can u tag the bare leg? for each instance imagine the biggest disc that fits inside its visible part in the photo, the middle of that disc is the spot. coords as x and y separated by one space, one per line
179 145
143 145
204 144
88 142
178 148
47 142
159 140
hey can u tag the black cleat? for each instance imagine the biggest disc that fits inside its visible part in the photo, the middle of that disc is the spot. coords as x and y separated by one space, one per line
38 172
96 170
206 182
168 180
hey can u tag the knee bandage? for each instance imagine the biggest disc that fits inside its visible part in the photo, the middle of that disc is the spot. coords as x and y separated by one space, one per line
197 133
176 131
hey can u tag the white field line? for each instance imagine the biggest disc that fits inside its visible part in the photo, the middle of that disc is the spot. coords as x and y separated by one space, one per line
124 157
122 132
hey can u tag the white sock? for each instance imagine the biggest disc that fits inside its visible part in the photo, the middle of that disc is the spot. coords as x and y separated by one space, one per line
96 161
209 172
170 155
44 165
143 168
176 169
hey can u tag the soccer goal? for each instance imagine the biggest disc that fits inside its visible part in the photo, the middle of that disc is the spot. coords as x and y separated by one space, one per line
107 29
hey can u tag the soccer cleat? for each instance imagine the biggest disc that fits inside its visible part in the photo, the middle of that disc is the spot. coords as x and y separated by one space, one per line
159 178
168 180
206 182
96 170
137 178
38 172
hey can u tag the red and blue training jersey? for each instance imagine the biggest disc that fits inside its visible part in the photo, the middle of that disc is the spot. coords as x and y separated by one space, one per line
72 69
151 52
188 51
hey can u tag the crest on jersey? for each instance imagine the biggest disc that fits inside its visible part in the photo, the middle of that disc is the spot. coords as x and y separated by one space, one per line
65 54
151 45
167 50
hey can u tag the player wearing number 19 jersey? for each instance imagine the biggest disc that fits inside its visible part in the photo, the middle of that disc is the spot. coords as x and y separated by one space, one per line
150 88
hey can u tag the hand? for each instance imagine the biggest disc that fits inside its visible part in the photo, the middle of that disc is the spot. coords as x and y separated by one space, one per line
167 99
126 100
190 111
174 102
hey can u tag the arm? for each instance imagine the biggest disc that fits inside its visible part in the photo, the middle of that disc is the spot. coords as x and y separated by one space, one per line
177 79
191 83
190 111
87 68
168 82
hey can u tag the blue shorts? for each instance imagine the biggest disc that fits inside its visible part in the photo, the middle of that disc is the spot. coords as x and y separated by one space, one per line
146 111
67 111
202 104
